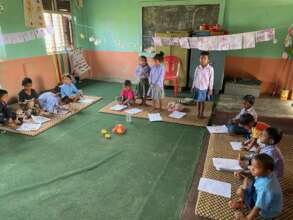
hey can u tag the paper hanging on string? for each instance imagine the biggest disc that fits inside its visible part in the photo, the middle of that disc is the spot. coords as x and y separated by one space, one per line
21 37
184 43
265 35
248 40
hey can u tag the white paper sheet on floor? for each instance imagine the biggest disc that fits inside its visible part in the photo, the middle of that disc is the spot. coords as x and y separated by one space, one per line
215 187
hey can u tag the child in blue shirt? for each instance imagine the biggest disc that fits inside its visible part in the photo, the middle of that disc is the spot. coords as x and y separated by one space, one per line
265 198
69 92
50 101
142 72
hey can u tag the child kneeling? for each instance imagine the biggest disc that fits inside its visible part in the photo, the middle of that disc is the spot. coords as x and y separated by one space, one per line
264 198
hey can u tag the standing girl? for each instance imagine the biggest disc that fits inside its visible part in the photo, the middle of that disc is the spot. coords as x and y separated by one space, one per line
142 72
156 80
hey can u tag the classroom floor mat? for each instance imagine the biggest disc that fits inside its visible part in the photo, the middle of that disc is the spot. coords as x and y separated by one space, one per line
265 106
189 119
57 118
219 146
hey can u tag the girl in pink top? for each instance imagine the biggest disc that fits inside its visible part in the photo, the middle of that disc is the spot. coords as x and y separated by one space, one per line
127 96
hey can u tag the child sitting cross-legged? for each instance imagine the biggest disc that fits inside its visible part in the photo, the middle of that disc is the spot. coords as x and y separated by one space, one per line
263 196
127 95
267 144
7 116
69 92
50 101
247 121
233 127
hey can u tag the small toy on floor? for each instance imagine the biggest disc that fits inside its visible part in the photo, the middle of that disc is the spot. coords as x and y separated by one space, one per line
119 129
105 133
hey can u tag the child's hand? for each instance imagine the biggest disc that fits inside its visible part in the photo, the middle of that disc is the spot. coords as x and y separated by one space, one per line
238 215
210 92
191 90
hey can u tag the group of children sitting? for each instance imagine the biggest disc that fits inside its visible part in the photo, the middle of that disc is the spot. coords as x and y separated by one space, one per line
31 103
263 167
151 83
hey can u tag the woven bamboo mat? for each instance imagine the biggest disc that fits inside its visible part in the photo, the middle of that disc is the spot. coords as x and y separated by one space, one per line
189 119
56 119
216 207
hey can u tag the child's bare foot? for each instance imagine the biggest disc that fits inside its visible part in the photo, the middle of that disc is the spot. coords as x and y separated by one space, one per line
236 204
238 215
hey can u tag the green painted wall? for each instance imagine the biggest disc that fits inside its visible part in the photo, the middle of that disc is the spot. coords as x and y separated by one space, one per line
118 23
11 21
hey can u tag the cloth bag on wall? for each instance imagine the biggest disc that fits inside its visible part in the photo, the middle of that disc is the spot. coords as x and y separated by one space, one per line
33 13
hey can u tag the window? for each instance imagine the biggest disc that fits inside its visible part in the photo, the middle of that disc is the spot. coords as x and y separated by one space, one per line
56 16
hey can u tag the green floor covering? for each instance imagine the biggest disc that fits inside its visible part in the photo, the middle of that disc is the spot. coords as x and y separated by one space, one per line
70 173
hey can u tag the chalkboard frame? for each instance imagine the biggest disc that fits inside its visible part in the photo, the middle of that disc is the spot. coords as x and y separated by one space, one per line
143 4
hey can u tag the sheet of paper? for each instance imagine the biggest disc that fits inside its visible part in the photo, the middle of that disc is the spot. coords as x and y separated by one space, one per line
265 35
118 107
86 101
155 117
221 129
29 127
40 119
215 187
237 145
235 41
184 42
226 164
133 111
177 114
249 40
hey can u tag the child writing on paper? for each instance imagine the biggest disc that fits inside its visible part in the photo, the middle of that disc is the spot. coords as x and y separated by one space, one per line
156 80
203 82
28 98
233 125
268 141
142 72
264 198
127 95
69 92
7 116
50 101
255 129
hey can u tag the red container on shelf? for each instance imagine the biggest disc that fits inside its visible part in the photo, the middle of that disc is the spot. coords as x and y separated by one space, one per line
204 27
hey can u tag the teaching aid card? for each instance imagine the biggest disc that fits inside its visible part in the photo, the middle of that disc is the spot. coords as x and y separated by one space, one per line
177 114
248 40
155 117
221 129
29 127
133 111
215 187
237 145
118 107
226 164
40 119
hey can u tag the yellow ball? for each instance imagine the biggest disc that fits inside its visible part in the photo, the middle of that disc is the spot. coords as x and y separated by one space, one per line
104 131
107 136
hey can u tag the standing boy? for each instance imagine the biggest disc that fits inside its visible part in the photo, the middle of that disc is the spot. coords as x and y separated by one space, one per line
203 82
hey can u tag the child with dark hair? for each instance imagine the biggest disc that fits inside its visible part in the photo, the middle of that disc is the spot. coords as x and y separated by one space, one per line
248 102
7 116
127 95
255 129
203 83
156 80
69 92
264 195
28 98
142 72
50 101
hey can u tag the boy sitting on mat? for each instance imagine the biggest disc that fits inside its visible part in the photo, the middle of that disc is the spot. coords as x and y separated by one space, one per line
69 92
127 96
28 98
7 116
203 82
233 124
50 101
264 195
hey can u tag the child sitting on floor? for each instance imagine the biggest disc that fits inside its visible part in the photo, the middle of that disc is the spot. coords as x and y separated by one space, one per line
50 101
203 83
142 72
255 129
248 102
268 141
264 197
69 92
7 116
156 80
28 98
127 95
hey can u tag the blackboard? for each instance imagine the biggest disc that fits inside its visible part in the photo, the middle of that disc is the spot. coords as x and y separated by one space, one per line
175 18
